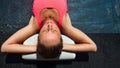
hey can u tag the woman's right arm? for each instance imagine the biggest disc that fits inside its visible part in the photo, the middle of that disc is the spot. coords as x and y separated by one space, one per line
83 42
14 43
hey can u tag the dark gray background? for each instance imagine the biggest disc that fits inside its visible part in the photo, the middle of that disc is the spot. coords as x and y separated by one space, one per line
91 16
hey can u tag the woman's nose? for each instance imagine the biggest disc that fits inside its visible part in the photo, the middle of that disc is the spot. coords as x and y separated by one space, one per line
49 27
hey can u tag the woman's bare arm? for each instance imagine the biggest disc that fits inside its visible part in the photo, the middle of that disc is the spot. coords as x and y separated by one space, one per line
83 42
14 43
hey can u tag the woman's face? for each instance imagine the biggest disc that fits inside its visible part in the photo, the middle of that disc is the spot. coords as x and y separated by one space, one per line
50 33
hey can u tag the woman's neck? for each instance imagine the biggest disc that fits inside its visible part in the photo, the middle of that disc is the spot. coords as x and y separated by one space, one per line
49 12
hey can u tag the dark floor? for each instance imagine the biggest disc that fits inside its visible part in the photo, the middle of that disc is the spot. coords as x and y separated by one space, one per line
107 56
100 19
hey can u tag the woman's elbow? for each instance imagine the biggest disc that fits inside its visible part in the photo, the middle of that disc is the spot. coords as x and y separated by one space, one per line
3 48
94 47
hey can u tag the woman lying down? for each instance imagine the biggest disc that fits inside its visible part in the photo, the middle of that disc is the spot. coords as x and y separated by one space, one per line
50 19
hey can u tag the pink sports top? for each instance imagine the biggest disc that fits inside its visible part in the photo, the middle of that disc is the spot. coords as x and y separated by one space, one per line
59 5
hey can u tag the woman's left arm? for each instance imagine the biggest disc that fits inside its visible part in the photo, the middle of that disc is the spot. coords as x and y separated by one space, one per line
14 43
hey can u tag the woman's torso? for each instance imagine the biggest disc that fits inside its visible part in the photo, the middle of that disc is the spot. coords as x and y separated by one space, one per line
59 5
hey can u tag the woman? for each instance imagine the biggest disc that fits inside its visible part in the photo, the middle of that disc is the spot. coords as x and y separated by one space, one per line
50 19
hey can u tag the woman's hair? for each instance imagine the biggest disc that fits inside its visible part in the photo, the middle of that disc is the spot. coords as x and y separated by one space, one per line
51 51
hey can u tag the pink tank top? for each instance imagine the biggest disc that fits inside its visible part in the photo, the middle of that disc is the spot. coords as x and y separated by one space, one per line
60 5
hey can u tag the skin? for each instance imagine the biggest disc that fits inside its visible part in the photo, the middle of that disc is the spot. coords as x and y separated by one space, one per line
49 33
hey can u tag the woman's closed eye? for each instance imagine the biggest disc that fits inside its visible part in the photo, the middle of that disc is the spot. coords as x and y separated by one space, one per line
54 30
45 31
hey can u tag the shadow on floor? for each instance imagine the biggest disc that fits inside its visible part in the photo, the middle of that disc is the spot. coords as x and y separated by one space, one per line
17 58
